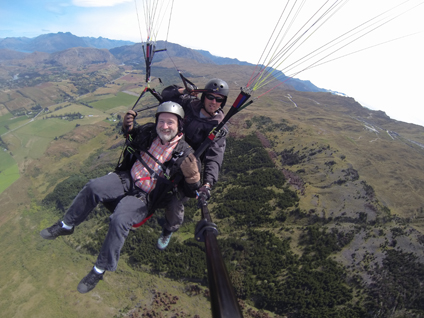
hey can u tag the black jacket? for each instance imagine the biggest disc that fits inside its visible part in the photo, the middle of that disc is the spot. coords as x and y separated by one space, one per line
140 139
197 129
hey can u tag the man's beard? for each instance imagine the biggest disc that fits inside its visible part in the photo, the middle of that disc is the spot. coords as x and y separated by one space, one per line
166 136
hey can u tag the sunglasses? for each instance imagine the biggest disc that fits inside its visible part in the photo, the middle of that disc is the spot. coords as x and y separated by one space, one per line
212 97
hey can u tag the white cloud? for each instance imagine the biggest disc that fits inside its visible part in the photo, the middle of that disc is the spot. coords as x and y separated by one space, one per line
98 3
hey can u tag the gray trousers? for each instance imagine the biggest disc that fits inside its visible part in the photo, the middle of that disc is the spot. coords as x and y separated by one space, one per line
130 210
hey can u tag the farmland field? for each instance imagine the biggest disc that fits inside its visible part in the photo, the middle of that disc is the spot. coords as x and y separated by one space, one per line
75 108
121 99
9 171
30 139
8 120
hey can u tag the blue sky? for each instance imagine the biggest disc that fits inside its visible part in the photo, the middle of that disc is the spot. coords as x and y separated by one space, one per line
387 77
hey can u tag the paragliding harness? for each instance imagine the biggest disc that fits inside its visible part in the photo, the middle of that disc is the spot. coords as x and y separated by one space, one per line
149 52
190 87
155 199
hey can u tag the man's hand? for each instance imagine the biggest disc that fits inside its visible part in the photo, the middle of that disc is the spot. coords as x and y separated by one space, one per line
128 123
205 191
190 169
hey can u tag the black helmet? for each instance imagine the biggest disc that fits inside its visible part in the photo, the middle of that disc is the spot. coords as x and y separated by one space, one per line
173 108
217 86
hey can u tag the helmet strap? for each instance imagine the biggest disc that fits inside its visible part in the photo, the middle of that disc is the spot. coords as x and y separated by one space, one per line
212 115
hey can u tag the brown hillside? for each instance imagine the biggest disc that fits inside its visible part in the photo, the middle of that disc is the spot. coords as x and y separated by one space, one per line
6 54
82 56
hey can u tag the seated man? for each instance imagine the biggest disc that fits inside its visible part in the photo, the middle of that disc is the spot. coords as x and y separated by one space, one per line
139 185
201 116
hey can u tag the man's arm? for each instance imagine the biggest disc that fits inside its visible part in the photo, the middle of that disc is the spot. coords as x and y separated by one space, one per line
213 160
178 95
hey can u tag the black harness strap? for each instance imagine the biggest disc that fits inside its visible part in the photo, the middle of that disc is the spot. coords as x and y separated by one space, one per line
158 162
153 174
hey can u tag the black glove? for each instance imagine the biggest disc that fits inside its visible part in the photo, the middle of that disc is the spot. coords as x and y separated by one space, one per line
128 122
204 192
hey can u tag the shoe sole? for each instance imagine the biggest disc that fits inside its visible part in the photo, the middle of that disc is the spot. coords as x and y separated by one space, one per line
83 290
161 248
82 287
46 235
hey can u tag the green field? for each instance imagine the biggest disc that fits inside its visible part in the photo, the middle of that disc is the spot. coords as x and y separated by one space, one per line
121 99
35 137
75 108
96 98
9 171
31 139
6 120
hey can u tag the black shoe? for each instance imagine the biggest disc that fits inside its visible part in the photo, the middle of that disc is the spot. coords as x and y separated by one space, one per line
55 230
89 282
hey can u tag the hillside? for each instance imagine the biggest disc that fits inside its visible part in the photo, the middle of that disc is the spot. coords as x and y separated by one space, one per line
6 54
319 206
81 56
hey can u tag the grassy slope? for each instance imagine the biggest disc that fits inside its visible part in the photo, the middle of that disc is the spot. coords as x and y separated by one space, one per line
394 167
29 142
39 277
9 171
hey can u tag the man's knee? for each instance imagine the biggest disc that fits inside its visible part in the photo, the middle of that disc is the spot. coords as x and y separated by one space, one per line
104 186
129 211
97 185
120 221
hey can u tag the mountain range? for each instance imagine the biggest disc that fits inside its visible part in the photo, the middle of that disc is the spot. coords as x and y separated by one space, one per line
54 42
124 52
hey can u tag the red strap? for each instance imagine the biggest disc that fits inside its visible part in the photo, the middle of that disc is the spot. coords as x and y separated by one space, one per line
142 222
145 178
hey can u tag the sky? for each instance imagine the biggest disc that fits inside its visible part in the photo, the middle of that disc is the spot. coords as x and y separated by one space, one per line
382 70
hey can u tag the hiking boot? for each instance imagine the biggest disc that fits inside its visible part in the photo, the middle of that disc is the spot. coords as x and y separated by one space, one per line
89 282
55 230
164 239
